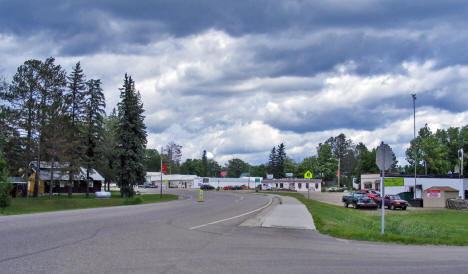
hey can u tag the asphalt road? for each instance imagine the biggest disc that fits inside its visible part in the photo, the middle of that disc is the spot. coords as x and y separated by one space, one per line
157 238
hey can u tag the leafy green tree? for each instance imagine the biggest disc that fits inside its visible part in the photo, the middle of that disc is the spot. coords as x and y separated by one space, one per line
192 167
131 139
94 118
108 162
235 167
327 163
5 186
214 168
259 171
152 160
290 167
311 164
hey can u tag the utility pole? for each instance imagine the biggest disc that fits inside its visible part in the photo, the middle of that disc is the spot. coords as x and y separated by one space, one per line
414 138
160 184
339 171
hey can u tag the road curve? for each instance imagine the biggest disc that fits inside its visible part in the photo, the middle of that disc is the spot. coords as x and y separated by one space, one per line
185 236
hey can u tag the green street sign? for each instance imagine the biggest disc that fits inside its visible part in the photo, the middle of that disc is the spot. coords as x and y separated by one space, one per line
257 180
308 175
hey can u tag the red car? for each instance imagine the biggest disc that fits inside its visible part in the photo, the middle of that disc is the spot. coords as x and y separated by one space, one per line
227 188
394 201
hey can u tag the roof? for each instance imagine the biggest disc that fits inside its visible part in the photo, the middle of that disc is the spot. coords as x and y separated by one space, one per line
443 188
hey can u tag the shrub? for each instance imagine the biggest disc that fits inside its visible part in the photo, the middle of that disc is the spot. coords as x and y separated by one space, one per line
5 194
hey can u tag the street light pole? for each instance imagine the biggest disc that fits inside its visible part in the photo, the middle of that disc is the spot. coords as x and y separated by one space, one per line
414 138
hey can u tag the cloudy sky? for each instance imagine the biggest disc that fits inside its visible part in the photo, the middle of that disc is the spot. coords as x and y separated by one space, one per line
238 77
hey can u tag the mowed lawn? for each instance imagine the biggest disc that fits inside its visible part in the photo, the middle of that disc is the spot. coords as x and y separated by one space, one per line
78 201
438 227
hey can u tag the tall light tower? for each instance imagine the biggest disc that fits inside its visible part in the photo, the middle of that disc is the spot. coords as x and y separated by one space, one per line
414 138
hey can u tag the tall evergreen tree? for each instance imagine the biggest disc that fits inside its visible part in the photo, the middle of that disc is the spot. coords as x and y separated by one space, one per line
75 98
131 139
204 164
95 112
281 155
273 162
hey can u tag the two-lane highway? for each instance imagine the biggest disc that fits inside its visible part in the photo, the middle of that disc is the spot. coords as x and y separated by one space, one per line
187 236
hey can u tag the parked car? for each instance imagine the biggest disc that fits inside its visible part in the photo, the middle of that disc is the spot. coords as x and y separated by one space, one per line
207 187
227 187
236 188
394 201
244 187
359 200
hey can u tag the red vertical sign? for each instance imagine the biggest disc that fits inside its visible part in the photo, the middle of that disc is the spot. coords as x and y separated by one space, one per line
164 169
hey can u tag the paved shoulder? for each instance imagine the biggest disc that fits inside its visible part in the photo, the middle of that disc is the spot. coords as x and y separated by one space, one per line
286 212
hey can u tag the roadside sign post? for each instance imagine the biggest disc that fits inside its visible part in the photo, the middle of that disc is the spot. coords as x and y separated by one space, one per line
384 160
308 175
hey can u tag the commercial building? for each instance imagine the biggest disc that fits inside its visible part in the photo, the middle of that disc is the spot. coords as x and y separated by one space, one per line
294 184
395 184
171 181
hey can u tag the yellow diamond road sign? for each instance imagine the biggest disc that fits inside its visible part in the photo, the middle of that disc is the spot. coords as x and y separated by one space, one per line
308 175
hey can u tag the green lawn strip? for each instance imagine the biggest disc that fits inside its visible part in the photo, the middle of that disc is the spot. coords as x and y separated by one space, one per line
78 201
438 227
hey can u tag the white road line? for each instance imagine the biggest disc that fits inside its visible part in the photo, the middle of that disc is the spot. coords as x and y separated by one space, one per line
227 219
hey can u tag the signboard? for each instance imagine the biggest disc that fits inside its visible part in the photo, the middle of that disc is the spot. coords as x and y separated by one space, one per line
164 169
206 180
257 180
223 174
269 176
394 181
289 175
308 175
433 193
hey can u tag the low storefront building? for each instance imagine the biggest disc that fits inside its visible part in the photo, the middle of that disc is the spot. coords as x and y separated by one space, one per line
436 196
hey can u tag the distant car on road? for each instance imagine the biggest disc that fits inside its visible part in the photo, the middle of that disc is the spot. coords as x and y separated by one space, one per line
394 201
207 187
227 188
236 188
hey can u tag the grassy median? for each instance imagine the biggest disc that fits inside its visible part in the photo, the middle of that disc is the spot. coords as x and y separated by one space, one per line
78 201
438 227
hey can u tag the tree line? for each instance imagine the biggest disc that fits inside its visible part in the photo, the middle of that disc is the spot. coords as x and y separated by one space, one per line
436 154
49 116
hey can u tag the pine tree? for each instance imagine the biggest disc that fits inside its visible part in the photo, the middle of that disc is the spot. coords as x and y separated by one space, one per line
281 158
94 112
273 162
75 98
204 164
131 139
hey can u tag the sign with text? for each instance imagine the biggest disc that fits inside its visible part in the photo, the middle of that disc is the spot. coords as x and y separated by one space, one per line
433 193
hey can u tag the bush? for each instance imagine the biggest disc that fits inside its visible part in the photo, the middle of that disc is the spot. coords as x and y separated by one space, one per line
133 201
5 195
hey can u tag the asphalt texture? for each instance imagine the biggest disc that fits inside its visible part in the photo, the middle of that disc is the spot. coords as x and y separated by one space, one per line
176 237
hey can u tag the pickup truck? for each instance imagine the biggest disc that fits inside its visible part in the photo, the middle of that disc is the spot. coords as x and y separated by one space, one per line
359 200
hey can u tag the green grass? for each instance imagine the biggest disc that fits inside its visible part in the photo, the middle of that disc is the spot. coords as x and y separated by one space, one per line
78 201
438 227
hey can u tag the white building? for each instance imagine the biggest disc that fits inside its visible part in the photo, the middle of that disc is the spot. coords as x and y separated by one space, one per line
395 185
171 181
295 184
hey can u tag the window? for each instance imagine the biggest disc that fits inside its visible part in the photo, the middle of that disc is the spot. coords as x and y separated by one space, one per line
307 185
316 185
281 185
299 185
